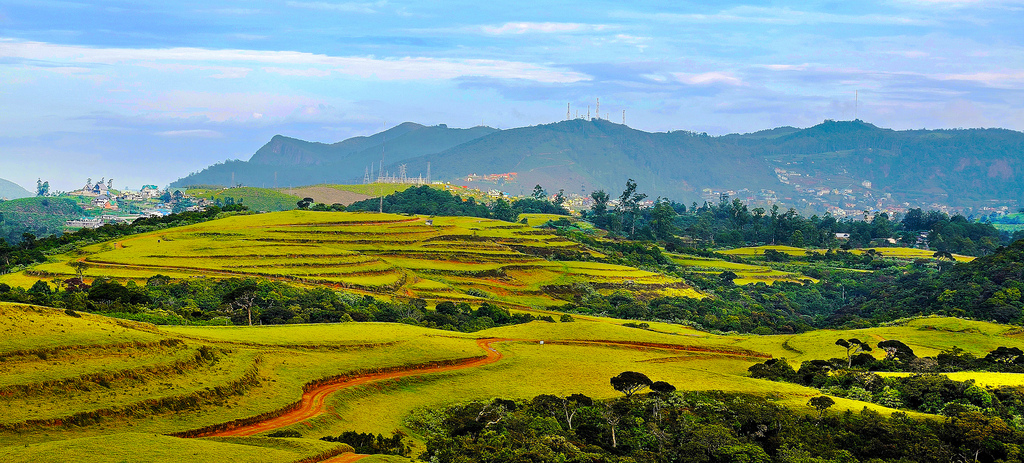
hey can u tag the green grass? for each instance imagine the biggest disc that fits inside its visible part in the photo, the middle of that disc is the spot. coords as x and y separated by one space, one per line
373 189
746 273
900 253
570 360
363 252
156 448
258 199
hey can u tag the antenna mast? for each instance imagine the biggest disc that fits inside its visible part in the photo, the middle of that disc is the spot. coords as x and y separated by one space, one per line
382 144
623 117
856 103
567 111
598 108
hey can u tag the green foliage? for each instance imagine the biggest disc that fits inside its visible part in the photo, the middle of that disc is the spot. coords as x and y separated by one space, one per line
426 201
630 382
706 427
370 444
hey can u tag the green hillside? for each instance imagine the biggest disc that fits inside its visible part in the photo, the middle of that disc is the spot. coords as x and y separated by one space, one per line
289 162
11 190
257 199
38 216
947 166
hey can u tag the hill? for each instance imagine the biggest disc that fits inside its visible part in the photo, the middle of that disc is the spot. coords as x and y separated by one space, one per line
833 165
839 162
11 190
114 390
288 161
461 259
36 215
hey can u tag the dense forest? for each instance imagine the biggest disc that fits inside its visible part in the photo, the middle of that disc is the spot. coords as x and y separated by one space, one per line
706 427
734 224
988 288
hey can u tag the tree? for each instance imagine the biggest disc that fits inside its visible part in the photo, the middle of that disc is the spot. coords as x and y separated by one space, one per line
79 267
560 197
896 350
572 404
1004 354
629 204
42 188
243 298
821 403
538 193
852 346
630 382
502 210
663 219
304 203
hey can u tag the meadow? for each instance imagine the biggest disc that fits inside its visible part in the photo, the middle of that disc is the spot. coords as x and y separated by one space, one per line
85 384
894 252
388 255
746 273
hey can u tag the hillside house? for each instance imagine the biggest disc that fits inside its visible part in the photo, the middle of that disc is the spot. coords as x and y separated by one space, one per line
84 223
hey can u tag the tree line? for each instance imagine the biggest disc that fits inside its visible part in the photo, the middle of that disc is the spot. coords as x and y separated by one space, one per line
704 427
233 301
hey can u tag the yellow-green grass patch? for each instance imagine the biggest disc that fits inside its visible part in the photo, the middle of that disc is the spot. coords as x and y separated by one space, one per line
156 448
27 327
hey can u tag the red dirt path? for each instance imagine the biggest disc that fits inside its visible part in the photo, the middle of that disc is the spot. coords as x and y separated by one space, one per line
314 401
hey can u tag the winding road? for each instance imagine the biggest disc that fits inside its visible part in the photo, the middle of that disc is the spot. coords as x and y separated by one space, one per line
314 401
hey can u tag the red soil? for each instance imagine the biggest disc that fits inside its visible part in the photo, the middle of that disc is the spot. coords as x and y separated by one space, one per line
314 401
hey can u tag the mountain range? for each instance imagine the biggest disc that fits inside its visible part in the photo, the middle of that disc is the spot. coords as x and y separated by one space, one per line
11 190
840 161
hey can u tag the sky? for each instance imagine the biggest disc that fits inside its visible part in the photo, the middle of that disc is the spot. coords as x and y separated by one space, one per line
145 92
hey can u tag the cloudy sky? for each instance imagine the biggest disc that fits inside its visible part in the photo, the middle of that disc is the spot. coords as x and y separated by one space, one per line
148 91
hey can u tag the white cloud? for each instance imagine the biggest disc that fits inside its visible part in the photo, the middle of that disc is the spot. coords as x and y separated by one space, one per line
195 133
780 16
346 7
707 78
991 79
786 67
406 68
540 28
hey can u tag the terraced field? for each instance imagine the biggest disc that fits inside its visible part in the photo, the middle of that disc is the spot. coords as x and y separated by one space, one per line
454 258
747 273
899 253
112 390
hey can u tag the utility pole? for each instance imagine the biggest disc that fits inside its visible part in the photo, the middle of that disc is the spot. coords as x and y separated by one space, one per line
383 142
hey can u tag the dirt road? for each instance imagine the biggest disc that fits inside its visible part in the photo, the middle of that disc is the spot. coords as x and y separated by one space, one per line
314 401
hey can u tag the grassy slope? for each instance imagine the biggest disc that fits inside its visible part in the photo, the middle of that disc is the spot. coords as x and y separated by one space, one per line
899 253
570 360
258 199
373 253
156 448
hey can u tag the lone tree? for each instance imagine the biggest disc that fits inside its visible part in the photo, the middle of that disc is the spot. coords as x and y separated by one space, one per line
853 346
821 403
630 382
896 350
304 203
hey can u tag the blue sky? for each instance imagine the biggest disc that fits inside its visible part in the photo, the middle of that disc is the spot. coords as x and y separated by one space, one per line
146 92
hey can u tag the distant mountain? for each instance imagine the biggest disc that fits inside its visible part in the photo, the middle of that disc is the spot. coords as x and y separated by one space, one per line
11 190
837 163
581 156
851 165
288 161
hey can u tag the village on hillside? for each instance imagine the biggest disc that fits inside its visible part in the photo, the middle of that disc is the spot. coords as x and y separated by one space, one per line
105 205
